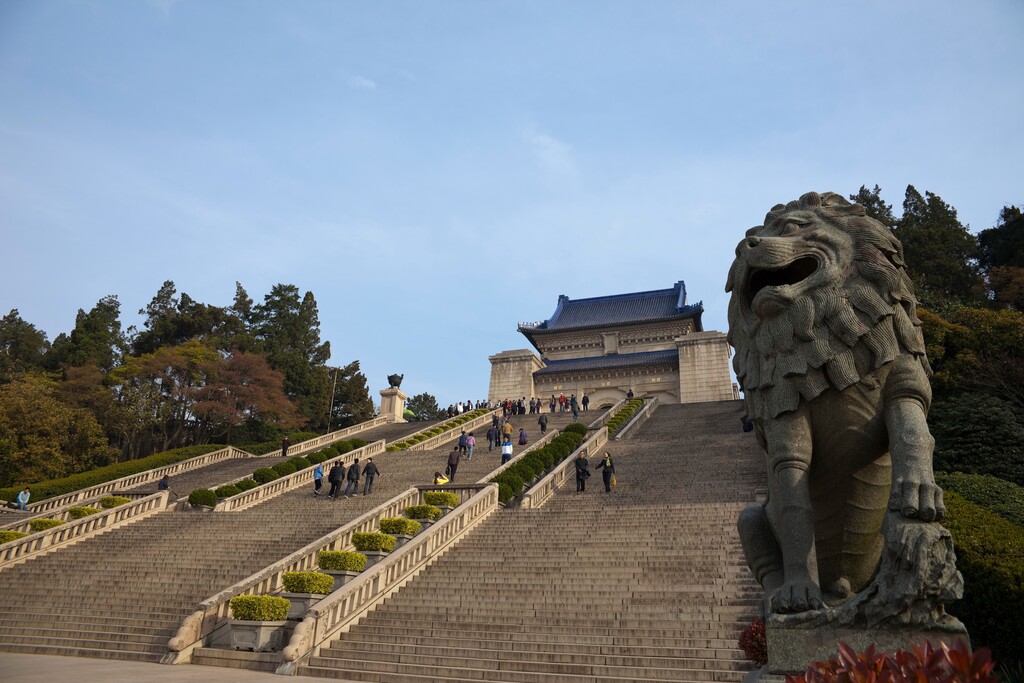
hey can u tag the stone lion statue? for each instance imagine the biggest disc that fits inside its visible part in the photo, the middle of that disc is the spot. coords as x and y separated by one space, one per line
831 359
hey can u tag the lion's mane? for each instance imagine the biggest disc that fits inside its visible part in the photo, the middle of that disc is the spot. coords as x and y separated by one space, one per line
837 334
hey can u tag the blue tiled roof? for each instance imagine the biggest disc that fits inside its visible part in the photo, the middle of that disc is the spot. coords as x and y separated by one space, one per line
626 360
617 310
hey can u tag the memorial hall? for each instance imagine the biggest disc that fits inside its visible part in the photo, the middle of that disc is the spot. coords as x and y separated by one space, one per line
651 343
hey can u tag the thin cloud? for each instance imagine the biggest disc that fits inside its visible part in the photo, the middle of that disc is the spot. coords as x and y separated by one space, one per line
362 83
554 160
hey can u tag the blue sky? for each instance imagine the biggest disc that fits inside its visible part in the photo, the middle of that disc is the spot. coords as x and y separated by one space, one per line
435 172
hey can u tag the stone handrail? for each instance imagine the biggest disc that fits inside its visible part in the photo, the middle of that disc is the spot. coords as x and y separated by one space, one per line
44 541
539 493
319 442
344 607
536 444
24 524
213 613
606 416
138 479
641 416
276 487
453 433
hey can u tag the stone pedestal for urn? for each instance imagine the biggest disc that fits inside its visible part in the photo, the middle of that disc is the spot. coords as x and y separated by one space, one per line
341 577
392 404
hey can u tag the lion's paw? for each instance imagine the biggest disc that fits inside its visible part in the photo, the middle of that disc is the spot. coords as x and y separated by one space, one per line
917 499
796 596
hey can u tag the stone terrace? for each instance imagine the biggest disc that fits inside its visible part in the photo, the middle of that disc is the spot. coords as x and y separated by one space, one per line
124 593
645 583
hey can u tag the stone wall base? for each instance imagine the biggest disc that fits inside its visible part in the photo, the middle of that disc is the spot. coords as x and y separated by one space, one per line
791 650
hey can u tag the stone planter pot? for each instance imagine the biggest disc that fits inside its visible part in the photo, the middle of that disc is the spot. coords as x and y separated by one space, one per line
425 523
401 539
341 577
373 557
445 509
201 508
300 603
257 636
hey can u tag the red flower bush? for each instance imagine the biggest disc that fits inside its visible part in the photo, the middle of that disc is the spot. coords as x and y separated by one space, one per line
754 643
923 664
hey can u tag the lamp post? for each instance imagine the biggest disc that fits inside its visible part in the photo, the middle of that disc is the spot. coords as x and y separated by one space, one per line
330 410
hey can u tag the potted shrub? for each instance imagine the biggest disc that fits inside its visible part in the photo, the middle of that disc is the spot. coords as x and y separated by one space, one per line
6 535
445 500
79 511
374 544
341 565
303 590
44 524
424 514
402 528
258 622
202 499
107 502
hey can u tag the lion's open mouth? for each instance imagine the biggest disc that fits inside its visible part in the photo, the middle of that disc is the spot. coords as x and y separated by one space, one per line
795 272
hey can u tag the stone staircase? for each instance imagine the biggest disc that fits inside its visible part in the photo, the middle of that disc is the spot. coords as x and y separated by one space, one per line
123 594
646 583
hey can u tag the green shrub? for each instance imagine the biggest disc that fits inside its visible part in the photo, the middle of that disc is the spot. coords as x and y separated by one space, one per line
978 433
400 525
316 458
245 484
441 498
107 502
373 540
990 555
79 511
227 491
341 561
504 492
6 535
1004 498
101 475
202 497
357 443
576 428
510 479
44 524
392 448
307 582
283 469
423 512
298 462
343 447
259 608
264 475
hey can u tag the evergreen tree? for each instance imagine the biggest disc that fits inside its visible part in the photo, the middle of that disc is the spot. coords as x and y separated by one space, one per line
97 338
352 402
22 346
874 205
425 406
941 255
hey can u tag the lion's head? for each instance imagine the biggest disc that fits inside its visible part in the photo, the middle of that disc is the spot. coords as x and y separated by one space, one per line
820 298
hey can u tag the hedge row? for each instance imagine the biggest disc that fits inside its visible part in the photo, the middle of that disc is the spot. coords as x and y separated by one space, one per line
437 430
1004 498
623 416
341 561
283 468
990 555
101 475
512 481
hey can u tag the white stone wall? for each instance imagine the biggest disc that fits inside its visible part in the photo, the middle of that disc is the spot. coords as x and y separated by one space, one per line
704 368
512 374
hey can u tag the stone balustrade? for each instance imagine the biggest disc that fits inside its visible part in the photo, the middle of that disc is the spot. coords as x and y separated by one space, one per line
539 493
70 532
24 524
138 479
318 442
453 433
287 483
606 416
344 607
641 416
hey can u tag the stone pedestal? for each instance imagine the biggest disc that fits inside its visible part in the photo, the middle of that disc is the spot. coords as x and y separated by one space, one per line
512 374
704 368
392 404
791 650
